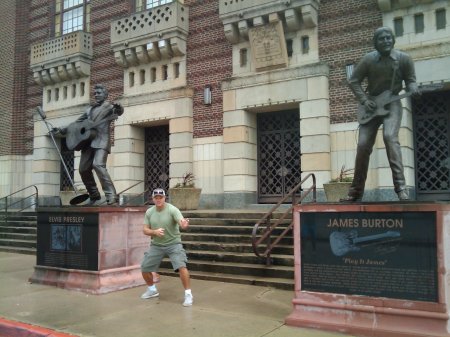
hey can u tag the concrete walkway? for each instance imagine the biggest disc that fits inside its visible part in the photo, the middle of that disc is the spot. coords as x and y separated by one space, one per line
219 310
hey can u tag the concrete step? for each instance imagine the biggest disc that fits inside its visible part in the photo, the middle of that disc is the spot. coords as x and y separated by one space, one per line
227 238
235 214
243 269
279 283
18 232
226 229
18 223
18 236
232 247
18 229
246 258
230 221
18 250
18 243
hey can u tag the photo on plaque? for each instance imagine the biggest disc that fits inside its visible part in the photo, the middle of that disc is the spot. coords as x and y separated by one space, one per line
58 237
66 238
74 238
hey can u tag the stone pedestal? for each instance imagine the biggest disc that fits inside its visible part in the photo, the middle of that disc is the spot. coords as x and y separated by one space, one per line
377 291
91 249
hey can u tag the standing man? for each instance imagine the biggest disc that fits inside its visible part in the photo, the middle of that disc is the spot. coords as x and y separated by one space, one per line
162 223
94 155
385 69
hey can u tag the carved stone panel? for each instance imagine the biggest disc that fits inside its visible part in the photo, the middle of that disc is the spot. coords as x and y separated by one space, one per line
268 46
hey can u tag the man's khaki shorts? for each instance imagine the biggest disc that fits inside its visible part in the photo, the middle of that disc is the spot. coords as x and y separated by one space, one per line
155 254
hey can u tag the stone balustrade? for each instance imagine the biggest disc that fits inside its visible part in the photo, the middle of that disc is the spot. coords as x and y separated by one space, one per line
62 59
151 35
239 15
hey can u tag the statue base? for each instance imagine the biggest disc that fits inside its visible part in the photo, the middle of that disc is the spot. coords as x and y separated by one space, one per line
91 249
388 278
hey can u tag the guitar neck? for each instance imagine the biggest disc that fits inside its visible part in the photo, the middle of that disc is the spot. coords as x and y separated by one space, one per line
398 97
374 237
107 119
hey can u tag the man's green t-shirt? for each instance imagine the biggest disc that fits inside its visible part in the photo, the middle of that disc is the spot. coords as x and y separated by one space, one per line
168 218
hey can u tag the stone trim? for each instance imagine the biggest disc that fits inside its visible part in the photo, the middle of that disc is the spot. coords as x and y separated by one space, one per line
317 69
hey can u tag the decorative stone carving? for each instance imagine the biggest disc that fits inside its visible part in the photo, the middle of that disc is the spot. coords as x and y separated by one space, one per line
268 46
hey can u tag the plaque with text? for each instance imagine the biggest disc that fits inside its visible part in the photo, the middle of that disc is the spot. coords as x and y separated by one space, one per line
68 240
381 254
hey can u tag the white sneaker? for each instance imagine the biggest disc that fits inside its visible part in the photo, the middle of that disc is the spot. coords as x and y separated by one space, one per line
149 294
188 300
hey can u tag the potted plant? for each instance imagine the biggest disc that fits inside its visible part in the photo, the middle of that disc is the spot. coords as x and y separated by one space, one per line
184 194
338 187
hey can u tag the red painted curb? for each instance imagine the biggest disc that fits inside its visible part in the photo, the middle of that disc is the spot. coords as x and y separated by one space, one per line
17 329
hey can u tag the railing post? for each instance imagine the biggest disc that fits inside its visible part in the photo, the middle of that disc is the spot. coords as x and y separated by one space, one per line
268 221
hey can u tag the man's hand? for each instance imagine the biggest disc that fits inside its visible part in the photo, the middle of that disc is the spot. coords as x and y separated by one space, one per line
58 131
184 223
415 92
370 105
117 108
158 232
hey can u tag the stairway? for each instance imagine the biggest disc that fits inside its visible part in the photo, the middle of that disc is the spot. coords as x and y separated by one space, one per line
218 244
18 232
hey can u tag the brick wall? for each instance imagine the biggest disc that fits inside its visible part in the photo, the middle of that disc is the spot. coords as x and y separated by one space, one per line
104 69
208 63
16 124
39 26
345 35
7 40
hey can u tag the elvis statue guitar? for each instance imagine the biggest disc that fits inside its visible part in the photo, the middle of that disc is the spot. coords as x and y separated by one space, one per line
80 134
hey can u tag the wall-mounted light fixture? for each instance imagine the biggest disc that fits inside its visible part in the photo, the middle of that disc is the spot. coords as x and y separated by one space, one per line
349 70
207 96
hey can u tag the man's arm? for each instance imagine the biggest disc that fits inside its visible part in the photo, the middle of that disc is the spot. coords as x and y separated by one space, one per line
410 76
359 74
153 232
184 223
61 131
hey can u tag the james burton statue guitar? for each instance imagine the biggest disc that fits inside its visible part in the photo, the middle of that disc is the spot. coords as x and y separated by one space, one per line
383 99
80 134
344 242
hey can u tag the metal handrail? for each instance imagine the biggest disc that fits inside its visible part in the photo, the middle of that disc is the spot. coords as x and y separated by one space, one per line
35 201
138 196
266 219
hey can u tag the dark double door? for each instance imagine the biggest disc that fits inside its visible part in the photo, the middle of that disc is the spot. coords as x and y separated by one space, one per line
278 154
431 119
157 157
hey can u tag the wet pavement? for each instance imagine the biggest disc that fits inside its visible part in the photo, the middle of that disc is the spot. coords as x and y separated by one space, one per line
219 310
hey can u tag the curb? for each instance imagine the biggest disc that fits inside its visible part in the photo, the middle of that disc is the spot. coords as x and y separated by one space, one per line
17 329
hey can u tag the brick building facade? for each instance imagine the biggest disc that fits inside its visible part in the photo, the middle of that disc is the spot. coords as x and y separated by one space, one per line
160 73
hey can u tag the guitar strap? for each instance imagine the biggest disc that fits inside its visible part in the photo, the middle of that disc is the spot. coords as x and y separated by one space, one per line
394 67
102 112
